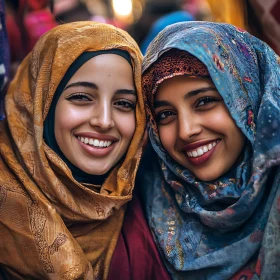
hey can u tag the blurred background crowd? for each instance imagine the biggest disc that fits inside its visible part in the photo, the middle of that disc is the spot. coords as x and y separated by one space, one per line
24 21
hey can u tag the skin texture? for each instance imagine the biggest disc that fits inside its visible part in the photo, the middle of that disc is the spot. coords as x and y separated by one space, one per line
191 110
102 108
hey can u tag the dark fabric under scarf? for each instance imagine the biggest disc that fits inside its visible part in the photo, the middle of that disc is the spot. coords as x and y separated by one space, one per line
49 136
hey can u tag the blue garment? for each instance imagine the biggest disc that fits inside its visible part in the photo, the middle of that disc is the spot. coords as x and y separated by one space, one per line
212 234
4 57
163 22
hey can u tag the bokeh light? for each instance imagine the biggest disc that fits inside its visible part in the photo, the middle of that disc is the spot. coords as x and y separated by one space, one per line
122 7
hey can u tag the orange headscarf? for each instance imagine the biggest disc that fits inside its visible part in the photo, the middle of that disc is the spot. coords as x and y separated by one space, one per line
51 226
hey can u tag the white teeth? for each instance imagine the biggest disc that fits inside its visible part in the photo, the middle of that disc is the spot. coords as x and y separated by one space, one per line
95 142
194 154
202 150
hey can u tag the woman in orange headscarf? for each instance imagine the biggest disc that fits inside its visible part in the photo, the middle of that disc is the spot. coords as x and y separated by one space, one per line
69 151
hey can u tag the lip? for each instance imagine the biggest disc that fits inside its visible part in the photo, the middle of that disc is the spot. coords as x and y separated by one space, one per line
194 145
96 151
96 136
205 157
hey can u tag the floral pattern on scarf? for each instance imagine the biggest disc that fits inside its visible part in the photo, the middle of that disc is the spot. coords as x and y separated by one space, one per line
212 230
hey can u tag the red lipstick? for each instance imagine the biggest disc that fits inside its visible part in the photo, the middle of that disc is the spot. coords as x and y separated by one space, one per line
203 158
192 146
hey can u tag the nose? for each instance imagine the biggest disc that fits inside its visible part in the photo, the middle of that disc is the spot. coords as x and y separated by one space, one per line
188 126
102 116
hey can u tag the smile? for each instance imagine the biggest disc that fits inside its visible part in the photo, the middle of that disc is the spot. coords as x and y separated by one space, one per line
202 150
95 142
199 153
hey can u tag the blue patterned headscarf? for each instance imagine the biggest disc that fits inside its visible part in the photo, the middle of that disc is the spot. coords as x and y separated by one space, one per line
229 227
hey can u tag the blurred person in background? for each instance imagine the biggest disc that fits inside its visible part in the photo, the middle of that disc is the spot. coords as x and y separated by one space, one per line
199 9
229 11
263 19
161 23
153 11
4 57
26 21
260 18
71 10
159 14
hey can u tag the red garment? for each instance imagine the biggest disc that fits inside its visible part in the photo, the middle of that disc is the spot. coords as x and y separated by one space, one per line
26 24
36 5
36 23
14 36
136 256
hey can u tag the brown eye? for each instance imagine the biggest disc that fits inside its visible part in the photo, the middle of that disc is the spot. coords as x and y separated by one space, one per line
126 105
78 97
206 100
163 115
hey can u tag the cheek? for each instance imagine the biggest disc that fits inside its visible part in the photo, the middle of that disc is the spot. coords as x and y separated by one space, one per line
238 139
126 125
223 123
68 118
219 120
167 137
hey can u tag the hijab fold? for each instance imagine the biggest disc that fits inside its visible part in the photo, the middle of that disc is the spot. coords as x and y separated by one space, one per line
52 226
212 230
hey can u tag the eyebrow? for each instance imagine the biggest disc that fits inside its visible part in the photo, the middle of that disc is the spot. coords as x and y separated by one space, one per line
126 91
162 103
94 86
83 84
198 91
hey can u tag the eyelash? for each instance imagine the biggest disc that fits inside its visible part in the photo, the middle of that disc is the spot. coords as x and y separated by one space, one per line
206 100
78 97
158 116
125 104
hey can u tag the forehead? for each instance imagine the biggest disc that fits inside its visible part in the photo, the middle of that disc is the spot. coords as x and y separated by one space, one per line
104 60
111 66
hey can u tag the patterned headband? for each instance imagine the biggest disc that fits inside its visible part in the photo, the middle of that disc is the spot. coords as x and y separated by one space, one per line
174 62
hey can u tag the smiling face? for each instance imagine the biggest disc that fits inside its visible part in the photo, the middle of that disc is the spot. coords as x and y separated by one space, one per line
95 114
195 126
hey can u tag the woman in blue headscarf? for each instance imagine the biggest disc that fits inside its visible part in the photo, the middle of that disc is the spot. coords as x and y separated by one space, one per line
212 193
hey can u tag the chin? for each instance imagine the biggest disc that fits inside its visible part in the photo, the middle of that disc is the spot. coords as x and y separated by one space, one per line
206 178
94 171
211 176
99 172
